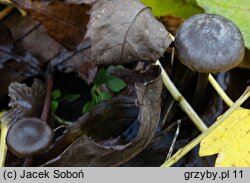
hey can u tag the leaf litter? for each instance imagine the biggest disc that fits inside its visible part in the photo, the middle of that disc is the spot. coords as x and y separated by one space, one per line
86 36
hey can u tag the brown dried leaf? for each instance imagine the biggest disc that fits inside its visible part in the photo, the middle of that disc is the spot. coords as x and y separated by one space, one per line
124 31
245 64
15 63
32 36
98 124
6 45
81 1
79 61
65 22
87 151
171 23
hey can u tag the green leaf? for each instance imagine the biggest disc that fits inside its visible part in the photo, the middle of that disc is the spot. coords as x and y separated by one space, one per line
56 94
101 77
236 10
87 107
180 8
54 105
112 68
104 96
71 97
115 84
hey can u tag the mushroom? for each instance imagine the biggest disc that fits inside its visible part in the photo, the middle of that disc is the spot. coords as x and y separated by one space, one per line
29 137
208 43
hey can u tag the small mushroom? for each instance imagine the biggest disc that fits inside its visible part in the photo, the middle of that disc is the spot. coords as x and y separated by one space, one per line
29 137
209 43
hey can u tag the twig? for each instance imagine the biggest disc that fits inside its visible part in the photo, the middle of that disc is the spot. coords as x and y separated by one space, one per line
183 151
220 91
181 100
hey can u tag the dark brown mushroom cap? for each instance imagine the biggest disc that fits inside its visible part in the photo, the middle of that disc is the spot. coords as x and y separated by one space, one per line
29 137
209 43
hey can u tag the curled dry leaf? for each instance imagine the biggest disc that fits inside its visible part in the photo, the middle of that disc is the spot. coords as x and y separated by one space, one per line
89 151
65 22
131 77
103 122
25 101
124 31
79 61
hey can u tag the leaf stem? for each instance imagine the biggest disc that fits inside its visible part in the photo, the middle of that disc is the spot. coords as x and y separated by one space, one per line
181 100
220 91
183 151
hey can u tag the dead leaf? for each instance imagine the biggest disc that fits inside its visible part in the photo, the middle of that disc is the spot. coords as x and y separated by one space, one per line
79 61
25 101
65 22
32 36
89 151
131 77
103 122
81 1
171 23
245 64
8 52
155 154
15 63
6 45
125 31
230 141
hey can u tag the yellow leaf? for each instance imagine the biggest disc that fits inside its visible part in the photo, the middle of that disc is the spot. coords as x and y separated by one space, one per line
3 147
230 140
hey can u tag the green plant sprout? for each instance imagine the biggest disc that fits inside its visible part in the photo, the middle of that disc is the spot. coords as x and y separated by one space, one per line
114 83
57 98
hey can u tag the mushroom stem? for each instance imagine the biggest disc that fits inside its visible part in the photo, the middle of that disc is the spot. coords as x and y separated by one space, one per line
181 100
183 151
46 106
220 91
200 91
